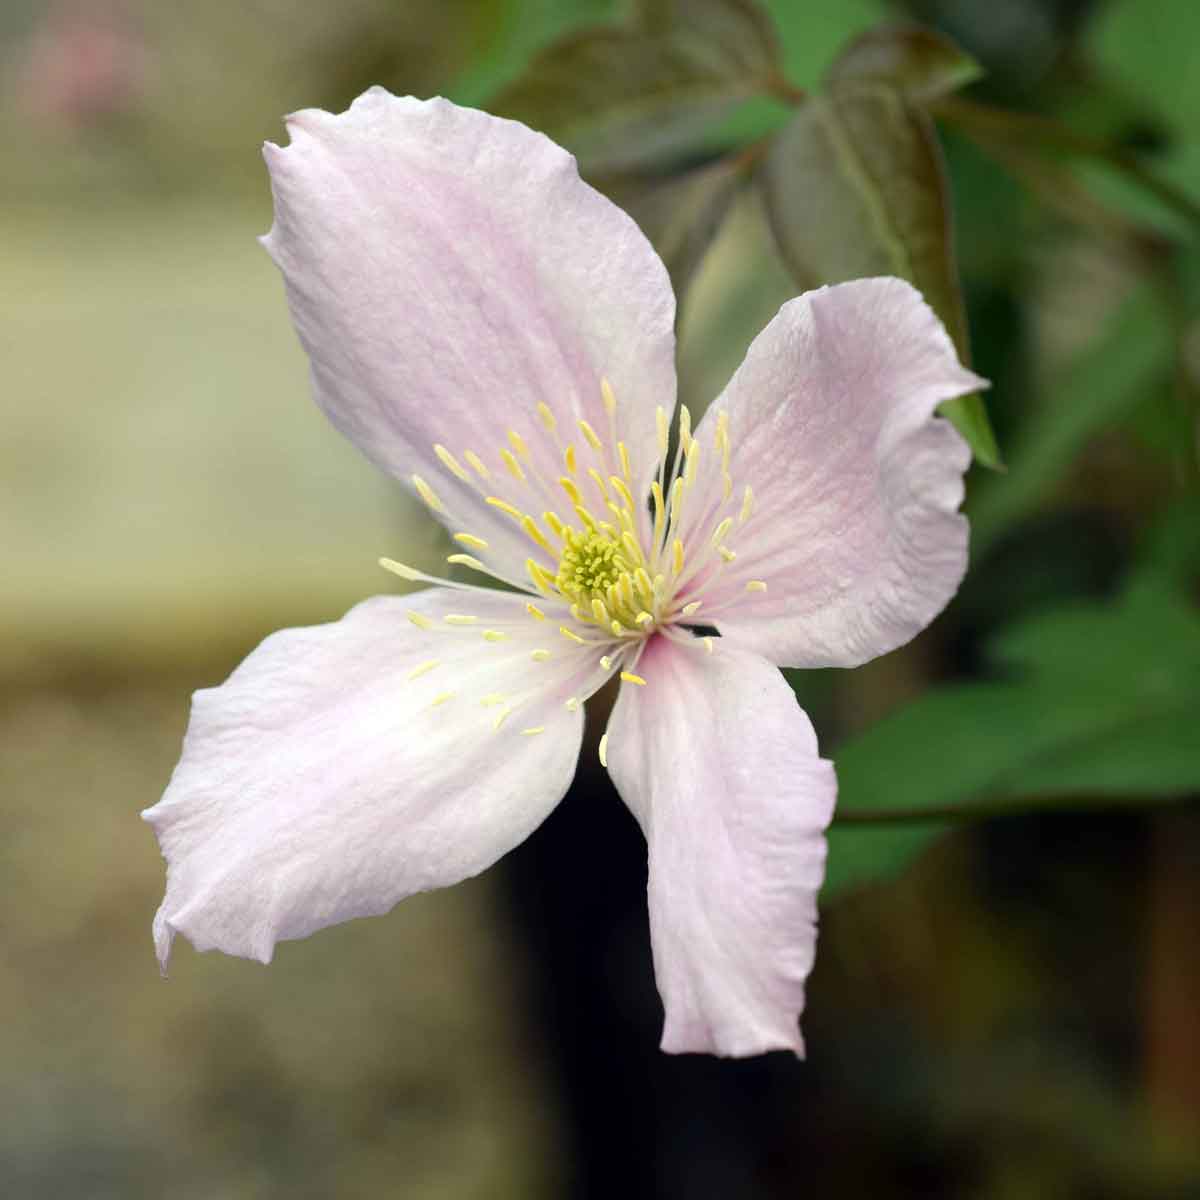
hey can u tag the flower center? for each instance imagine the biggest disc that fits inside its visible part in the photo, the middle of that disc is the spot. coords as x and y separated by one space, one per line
590 565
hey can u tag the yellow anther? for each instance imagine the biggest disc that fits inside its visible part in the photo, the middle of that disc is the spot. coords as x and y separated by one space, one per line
514 467
726 485
693 463
501 717
747 503
477 464
577 613
610 397
599 611
645 584
676 497
398 568
660 582
542 579
547 417
531 528
533 729
663 429
492 699
756 585
625 587
603 750
540 655
622 491
451 463
721 530
535 612
630 677
586 517
504 507
572 704
517 442
427 493
616 627
631 544
677 556
644 619
685 428
424 668
606 662
708 643
688 609
570 633
466 560
573 493
727 554
623 454
460 619
660 506
441 698
570 460
469 539
419 620
599 481
590 434
555 523
494 635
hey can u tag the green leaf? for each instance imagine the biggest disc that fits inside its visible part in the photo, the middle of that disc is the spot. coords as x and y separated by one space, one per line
1128 363
680 214
921 63
854 186
620 97
1098 702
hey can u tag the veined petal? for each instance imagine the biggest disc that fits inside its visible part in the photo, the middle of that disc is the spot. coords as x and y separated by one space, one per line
448 271
345 766
854 528
720 767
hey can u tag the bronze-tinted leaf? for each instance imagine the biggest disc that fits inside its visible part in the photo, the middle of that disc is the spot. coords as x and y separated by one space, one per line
922 63
854 186
681 214
620 97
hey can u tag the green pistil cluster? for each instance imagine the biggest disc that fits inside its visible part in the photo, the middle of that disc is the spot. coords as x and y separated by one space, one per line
591 563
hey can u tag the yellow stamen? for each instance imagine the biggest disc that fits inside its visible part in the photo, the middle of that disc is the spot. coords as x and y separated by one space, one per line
494 635
721 530
533 730
451 463
569 459
419 620
610 397
630 677
756 585
685 428
466 560
427 494
460 619
547 417
604 749
477 464
530 526
688 609
492 699
518 444
590 434
533 610
677 556
570 633
397 568
747 504
514 467
503 506
708 644
540 655
424 668
623 454
663 430
469 539
644 619
441 698
501 717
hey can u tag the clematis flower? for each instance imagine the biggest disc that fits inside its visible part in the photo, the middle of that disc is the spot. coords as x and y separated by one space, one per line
485 326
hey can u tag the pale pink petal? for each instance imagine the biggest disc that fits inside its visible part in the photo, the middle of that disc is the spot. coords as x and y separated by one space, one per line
330 776
720 767
447 272
854 525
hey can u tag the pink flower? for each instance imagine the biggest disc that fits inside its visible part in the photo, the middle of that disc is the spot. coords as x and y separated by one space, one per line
483 324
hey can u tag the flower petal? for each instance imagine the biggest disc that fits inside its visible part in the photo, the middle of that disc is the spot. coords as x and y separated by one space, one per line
720 767
447 272
335 772
854 526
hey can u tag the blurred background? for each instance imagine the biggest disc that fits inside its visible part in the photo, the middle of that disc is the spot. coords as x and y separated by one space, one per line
1004 1007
